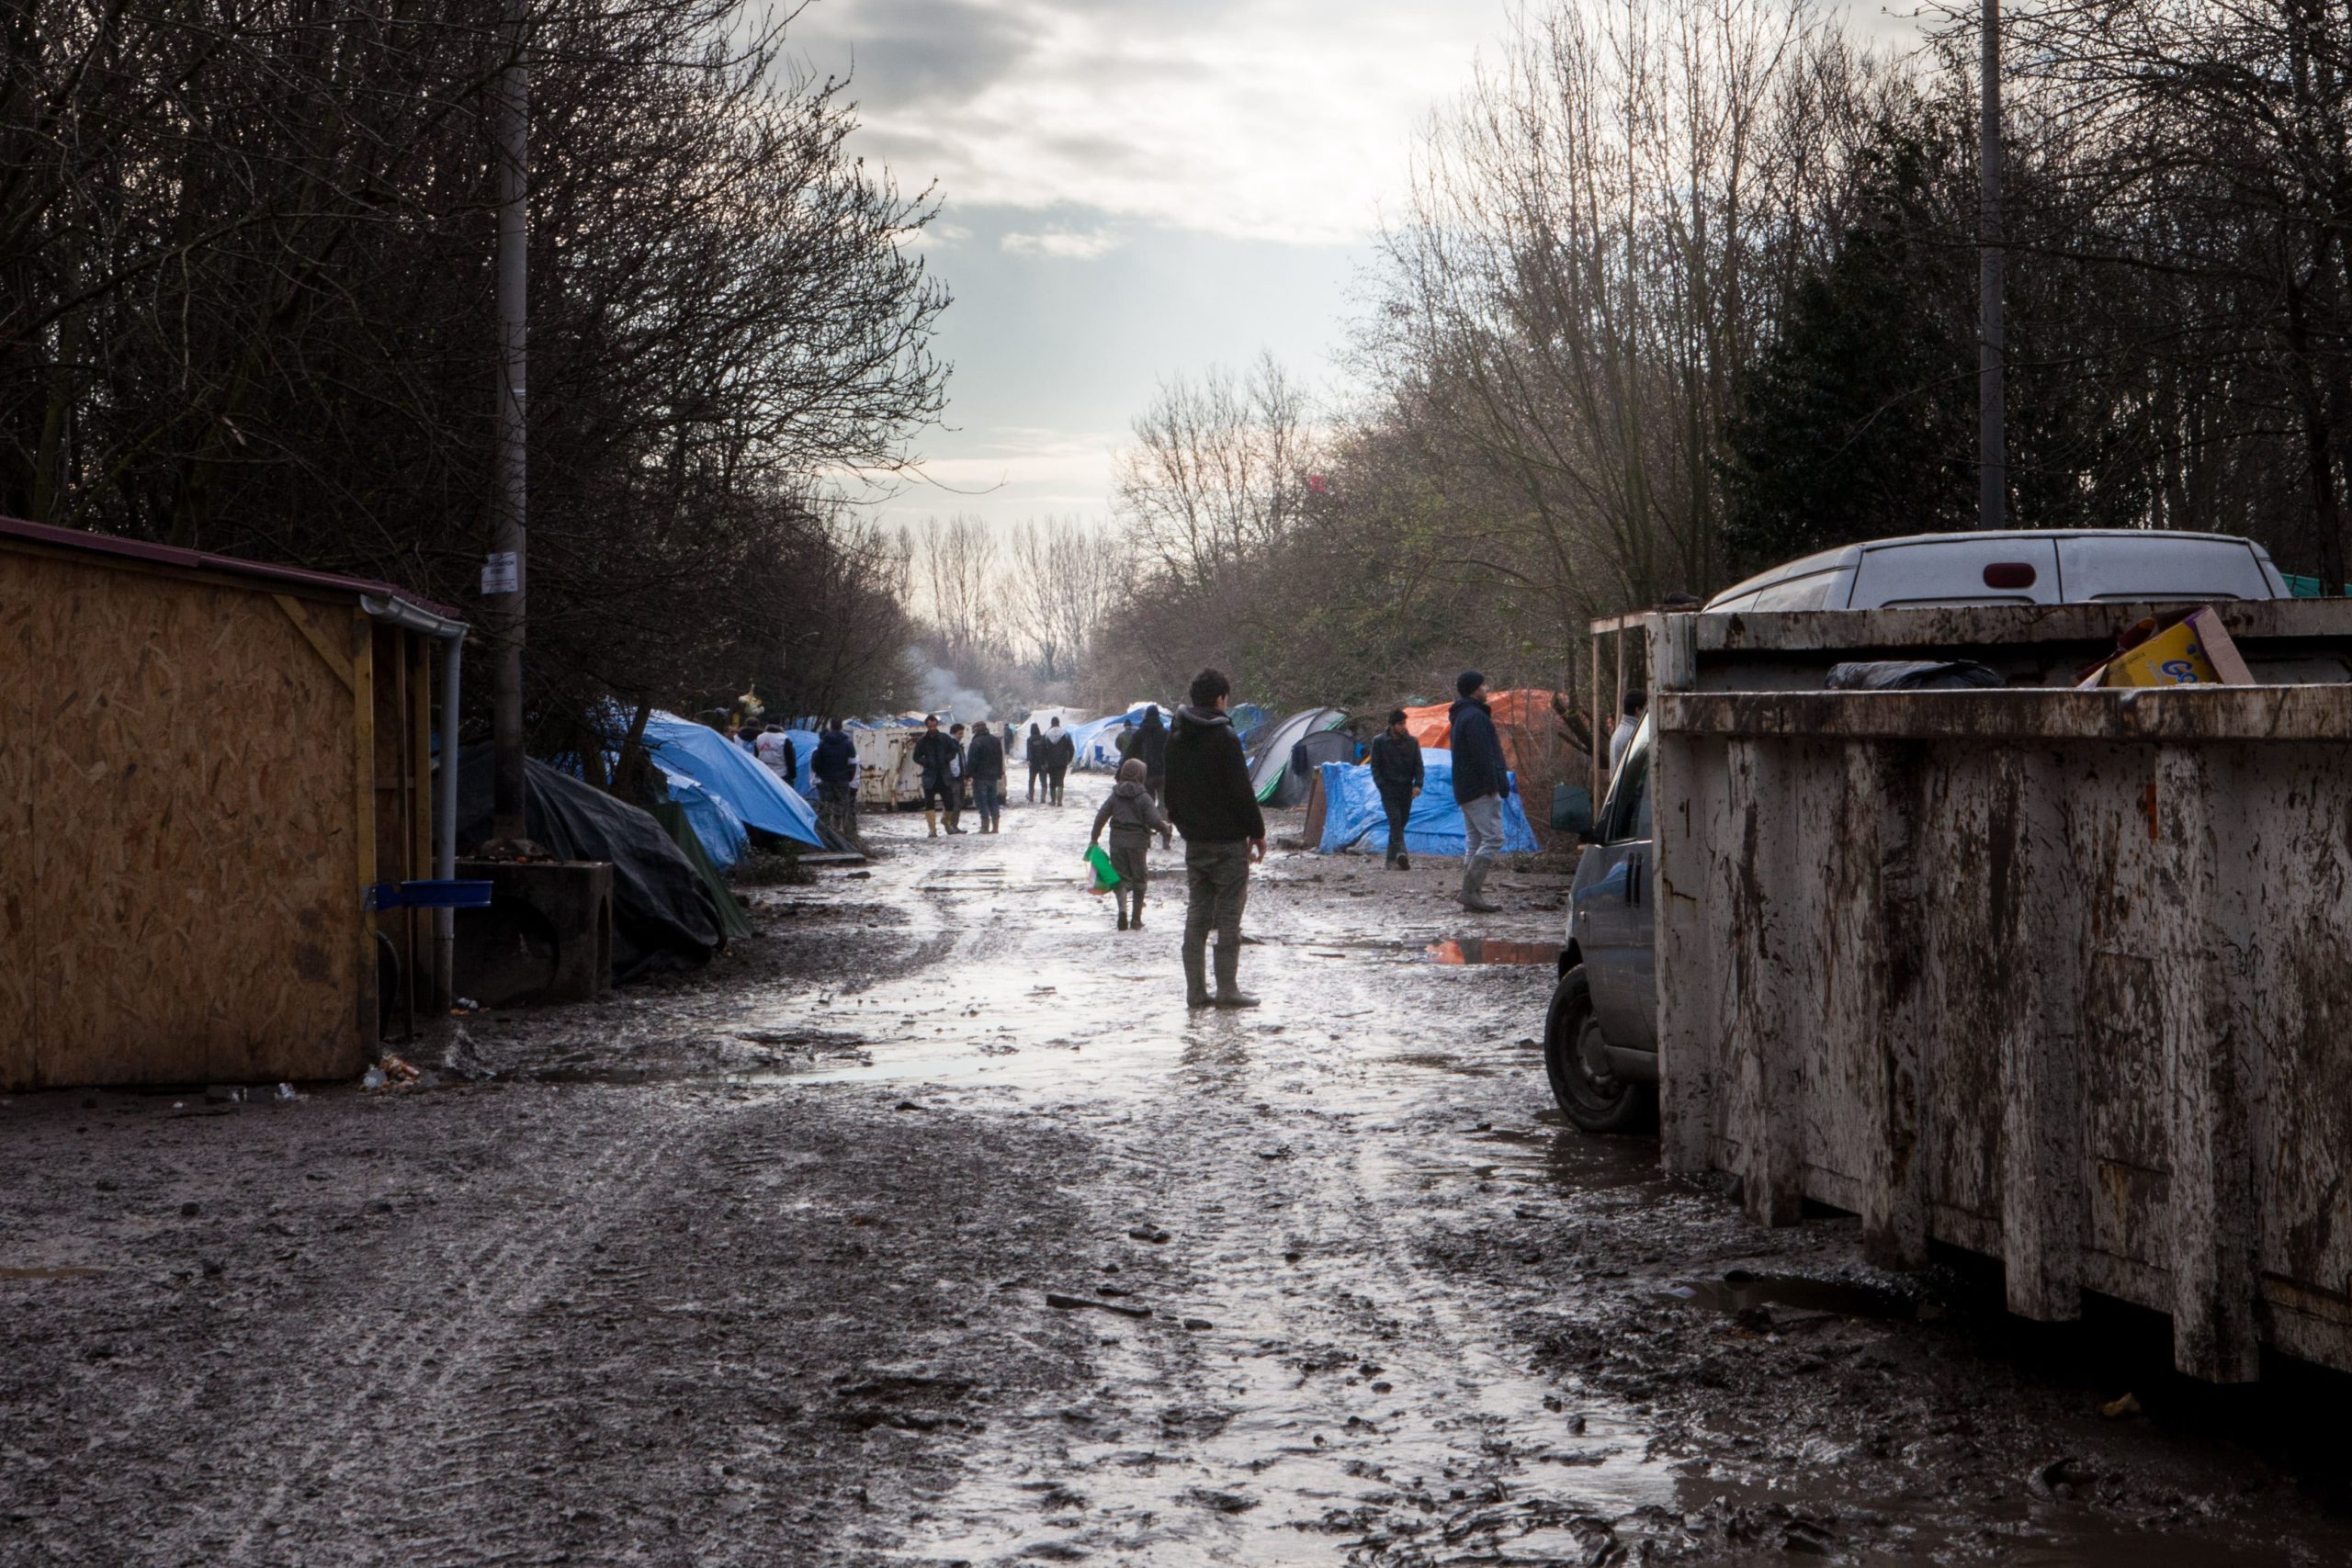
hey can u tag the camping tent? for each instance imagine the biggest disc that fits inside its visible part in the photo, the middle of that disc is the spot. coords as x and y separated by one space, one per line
1311 752
1016 746
759 798
1353 818
1523 721
1098 742
1269 753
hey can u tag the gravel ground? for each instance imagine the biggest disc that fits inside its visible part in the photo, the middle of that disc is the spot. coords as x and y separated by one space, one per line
929 1227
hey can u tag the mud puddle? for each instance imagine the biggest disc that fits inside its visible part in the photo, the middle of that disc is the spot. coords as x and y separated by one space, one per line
1783 1298
1480 949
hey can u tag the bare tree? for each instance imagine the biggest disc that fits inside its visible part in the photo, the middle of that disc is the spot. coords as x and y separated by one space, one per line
956 571
1062 580
1218 469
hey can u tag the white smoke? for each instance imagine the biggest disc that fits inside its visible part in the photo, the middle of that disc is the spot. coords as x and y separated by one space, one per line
942 694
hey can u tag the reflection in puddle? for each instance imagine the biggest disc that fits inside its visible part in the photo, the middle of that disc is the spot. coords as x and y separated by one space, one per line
1495 950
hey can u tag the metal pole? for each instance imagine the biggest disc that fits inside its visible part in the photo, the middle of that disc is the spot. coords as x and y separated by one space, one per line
509 131
445 829
1993 472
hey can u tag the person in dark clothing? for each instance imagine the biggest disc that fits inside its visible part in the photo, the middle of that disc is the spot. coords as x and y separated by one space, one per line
1396 773
985 764
1151 746
935 754
1212 804
1036 751
1060 752
835 767
959 781
1133 818
1481 782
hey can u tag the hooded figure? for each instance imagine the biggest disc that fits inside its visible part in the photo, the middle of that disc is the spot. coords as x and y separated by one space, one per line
1481 779
1060 752
1133 818
1152 749
1212 803
1036 752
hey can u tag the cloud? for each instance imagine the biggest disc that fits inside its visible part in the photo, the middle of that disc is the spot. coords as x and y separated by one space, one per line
1091 244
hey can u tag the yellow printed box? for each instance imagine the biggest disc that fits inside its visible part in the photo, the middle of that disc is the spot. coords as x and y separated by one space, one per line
2192 651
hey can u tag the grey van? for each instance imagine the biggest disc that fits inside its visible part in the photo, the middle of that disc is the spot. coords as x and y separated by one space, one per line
1601 1032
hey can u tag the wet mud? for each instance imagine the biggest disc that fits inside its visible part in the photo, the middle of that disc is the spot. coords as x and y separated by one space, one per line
930 1227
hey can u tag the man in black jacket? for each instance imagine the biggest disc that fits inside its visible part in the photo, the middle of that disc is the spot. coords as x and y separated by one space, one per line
1060 752
835 766
1151 745
984 762
1210 801
1396 773
935 754
1481 781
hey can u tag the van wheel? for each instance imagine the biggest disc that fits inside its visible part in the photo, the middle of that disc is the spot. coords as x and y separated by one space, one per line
1590 1097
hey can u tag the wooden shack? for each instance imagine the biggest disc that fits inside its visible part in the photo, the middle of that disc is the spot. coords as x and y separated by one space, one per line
205 762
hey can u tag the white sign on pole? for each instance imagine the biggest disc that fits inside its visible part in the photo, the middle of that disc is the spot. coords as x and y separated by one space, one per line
501 575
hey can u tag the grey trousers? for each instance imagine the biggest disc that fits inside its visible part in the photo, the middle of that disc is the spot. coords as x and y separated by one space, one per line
1216 884
1482 823
1133 862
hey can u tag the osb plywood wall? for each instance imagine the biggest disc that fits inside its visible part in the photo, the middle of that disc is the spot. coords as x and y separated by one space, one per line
179 865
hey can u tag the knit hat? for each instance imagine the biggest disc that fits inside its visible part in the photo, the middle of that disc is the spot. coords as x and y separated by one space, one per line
1468 682
1131 771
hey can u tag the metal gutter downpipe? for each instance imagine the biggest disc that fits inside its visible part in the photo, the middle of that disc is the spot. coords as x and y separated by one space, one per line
398 613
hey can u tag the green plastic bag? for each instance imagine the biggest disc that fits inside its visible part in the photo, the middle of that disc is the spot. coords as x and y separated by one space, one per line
1105 878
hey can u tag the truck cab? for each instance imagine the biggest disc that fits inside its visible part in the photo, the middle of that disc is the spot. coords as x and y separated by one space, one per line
1601 1032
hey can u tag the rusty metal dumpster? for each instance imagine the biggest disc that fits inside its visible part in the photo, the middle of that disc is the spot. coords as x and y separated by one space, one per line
2060 977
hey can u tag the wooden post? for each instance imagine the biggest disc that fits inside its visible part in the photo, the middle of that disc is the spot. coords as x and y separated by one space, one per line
363 806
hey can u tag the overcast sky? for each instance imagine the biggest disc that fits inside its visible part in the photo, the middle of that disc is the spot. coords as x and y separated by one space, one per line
1131 189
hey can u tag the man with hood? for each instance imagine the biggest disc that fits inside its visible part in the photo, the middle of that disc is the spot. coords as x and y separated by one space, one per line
1213 805
984 762
1060 752
1151 748
1133 818
936 755
1481 779
835 767
1036 752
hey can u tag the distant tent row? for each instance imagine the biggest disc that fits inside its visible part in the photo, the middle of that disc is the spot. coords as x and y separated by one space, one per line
724 789
1353 817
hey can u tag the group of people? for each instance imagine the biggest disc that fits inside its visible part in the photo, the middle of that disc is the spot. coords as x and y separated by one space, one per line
949 764
832 767
1051 752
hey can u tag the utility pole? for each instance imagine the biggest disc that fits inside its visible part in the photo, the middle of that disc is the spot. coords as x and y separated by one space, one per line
1993 456
504 580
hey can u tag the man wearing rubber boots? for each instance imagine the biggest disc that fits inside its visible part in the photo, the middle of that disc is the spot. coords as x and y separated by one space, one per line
1481 782
1212 804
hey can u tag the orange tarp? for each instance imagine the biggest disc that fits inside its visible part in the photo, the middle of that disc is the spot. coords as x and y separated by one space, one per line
1523 718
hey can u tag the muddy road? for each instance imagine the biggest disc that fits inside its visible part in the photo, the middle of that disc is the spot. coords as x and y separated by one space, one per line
929 1227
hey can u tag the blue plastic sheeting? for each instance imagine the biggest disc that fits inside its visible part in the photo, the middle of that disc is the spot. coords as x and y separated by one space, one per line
731 775
1246 717
1352 817
715 823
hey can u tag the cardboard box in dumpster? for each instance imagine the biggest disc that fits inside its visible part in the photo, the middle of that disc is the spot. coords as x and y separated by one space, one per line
2195 650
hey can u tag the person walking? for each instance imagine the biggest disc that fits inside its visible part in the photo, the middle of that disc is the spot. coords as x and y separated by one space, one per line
1133 818
1211 803
1036 751
1151 748
1481 781
956 781
1060 752
1397 775
835 767
935 753
1636 704
775 747
984 762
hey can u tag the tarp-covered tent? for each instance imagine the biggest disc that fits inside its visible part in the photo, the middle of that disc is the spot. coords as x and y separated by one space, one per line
1098 742
1309 754
1268 754
1248 719
1353 818
662 910
757 796
1016 746
1524 721
715 827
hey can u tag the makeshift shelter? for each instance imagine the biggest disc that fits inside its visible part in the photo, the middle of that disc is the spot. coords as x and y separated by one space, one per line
1016 746
680 746
1097 742
664 907
1309 754
1353 817
208 765
1248 719
1524 721
1268 755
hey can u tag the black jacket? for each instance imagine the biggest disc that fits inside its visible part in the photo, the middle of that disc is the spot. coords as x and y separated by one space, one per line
1151 745
986 758
836 757
1209 798
1479 770
1060 750
1396 765
934 751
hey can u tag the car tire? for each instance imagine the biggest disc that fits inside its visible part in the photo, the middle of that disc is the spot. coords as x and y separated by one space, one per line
1593 1103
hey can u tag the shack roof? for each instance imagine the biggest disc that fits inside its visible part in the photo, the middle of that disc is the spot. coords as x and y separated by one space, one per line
205 560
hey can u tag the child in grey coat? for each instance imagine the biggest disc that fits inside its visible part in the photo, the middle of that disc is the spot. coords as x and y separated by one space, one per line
1134 817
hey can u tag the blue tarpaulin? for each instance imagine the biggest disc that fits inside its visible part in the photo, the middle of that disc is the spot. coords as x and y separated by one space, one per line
716 826
1352 817
1097 740
732 776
